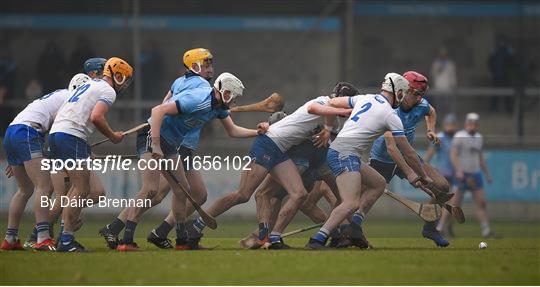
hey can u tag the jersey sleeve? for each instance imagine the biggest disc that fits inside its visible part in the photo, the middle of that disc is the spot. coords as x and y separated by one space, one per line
222 114
394 124
108 96
322 100
192 101
173 86
425 107
353 100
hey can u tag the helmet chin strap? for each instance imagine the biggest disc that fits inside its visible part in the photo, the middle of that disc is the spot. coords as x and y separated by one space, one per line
394 94
199 68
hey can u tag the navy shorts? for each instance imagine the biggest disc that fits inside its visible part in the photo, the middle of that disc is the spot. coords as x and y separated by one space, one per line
144 145
387 170
266 153
471 181
22 143
340 163
65 146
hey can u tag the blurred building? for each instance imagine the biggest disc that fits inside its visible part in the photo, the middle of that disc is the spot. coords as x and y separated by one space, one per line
299 48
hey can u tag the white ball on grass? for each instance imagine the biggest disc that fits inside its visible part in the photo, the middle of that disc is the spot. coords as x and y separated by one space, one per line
482 245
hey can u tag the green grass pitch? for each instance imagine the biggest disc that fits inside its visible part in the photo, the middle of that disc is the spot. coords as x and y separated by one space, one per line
400 257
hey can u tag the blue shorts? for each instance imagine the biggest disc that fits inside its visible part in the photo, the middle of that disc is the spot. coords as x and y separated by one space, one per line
339 163
471 181
22 143
266 153
65 146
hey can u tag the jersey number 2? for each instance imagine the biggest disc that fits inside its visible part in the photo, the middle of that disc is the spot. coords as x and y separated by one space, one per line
363 109
78 92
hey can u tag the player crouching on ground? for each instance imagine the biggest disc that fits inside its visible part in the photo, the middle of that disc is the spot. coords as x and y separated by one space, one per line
372 115
170 123
76 120
23 144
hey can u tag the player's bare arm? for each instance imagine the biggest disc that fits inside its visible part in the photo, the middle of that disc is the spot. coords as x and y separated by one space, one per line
158 113
431 121
484 167
167 96
411 157
454 161
236 131
330 113
98 119
393 150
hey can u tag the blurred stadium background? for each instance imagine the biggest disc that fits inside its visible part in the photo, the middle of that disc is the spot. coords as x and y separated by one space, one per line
300 49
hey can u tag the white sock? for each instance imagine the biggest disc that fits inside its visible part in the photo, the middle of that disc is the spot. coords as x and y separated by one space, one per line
11 239
485 228
43 235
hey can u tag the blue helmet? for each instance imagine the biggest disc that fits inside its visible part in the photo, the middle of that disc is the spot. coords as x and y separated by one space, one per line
94 64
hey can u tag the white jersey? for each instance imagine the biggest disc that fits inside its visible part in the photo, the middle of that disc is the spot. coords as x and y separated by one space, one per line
296 127
371 116
468 149
74 116
40 113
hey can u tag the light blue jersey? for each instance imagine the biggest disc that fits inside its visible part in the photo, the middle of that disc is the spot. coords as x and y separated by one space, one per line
409 119
442 157
195 108
189 81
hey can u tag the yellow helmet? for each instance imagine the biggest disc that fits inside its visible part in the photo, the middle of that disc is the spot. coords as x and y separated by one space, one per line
115 66
196 56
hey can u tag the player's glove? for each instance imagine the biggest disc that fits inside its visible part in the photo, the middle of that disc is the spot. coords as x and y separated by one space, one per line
344 89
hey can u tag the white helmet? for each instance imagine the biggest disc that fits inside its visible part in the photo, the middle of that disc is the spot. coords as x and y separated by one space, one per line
472 117
77 81
394 83
228 82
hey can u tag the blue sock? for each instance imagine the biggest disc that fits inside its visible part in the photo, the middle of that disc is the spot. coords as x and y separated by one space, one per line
357 218
431 226
61 226
67 238
199 224
129 232
181 232
263 230
275 237
321 236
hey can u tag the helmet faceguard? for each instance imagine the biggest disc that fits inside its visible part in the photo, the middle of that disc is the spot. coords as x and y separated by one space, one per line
397 100
197 57
397 85
77 81
116 67
228 82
